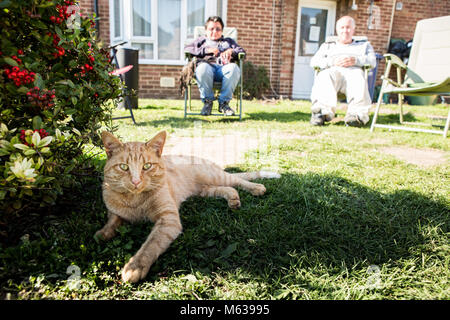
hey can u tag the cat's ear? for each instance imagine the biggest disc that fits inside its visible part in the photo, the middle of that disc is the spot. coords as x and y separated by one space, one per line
110 142
157 142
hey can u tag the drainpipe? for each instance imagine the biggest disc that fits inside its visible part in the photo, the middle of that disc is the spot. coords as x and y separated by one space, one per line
391 24
97 18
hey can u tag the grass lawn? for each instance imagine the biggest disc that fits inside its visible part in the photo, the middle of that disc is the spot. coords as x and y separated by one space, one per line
346 220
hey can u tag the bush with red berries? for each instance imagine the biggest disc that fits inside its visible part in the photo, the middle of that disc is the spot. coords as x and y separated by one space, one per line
55 94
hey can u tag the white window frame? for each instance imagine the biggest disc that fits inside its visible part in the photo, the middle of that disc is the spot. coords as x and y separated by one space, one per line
126 31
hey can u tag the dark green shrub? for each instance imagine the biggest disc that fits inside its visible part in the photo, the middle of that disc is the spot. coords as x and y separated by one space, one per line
55 93
256 81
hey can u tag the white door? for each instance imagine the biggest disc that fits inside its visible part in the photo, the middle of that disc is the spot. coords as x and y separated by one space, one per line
315 22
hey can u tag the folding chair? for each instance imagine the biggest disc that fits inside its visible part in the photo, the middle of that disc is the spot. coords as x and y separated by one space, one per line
427 73
227 33
119 72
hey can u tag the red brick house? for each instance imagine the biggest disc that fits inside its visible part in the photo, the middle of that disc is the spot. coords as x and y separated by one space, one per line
281 35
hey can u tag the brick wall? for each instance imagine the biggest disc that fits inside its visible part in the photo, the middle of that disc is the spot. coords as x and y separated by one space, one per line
413 10
267 31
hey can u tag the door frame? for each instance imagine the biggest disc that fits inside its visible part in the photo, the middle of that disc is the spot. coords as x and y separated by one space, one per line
331 21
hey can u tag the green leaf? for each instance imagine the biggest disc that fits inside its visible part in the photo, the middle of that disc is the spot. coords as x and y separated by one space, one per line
57 67
17 204
70 83
45 142
21 146
229 250
37 123
70 111
36 138
10 61
38 81
5 3
22 90
29 152
74 100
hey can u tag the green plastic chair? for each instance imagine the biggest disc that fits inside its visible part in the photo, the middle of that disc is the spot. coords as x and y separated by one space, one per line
227 33
427 72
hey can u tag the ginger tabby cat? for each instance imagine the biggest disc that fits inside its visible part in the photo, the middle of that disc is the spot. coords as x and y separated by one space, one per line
141 184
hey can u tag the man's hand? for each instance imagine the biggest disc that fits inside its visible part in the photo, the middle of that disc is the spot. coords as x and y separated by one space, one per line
345 62
226 56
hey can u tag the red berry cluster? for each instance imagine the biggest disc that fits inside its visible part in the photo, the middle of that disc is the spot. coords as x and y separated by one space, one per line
42 99
25 133
63 13
18 60
19 77
60 50
84 69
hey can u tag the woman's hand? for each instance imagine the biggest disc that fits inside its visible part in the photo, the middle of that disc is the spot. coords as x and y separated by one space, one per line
214 51
226 56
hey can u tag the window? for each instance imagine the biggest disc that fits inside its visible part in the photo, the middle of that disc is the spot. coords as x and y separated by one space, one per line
160 28
116 14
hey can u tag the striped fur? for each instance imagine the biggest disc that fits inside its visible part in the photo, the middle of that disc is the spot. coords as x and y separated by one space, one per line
141 184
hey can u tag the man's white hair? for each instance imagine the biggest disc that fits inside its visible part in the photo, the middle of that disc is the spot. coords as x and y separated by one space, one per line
346 17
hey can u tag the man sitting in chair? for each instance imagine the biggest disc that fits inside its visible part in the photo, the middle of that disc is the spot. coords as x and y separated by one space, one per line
341 65
214 56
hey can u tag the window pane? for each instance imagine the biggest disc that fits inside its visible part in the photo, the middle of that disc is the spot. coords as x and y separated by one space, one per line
142 18
169 12
196 15
117 15
219 8
312 30
145 50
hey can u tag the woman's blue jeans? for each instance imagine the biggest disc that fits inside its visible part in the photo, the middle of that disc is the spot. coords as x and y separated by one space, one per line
207 74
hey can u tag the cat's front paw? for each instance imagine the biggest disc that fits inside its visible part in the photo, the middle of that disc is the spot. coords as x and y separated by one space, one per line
104 235
258 189
234 203
134 270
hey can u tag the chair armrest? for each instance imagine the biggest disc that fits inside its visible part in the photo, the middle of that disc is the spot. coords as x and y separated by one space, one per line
395 61
241 56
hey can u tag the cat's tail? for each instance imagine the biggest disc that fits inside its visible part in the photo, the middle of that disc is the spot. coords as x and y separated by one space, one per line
257 175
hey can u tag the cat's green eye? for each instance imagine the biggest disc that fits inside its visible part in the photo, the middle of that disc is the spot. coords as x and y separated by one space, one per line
123 166
147 166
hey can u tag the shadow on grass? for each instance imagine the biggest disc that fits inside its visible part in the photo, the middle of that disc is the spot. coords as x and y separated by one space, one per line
303 221
279 116
189 122
307 221
394 118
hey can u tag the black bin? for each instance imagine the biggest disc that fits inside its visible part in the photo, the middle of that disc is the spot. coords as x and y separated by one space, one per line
125 57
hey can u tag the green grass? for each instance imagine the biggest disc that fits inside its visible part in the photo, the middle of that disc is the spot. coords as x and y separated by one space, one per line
345 220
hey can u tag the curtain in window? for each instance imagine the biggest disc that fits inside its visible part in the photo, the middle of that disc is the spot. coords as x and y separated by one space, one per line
117 15
142 18
195 15
169 13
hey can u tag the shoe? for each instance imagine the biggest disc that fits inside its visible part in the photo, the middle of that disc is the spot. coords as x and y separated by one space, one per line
327 117
207 107
225 108
317 119
353 120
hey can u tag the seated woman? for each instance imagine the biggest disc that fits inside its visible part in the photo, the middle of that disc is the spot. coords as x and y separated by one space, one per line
214 56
